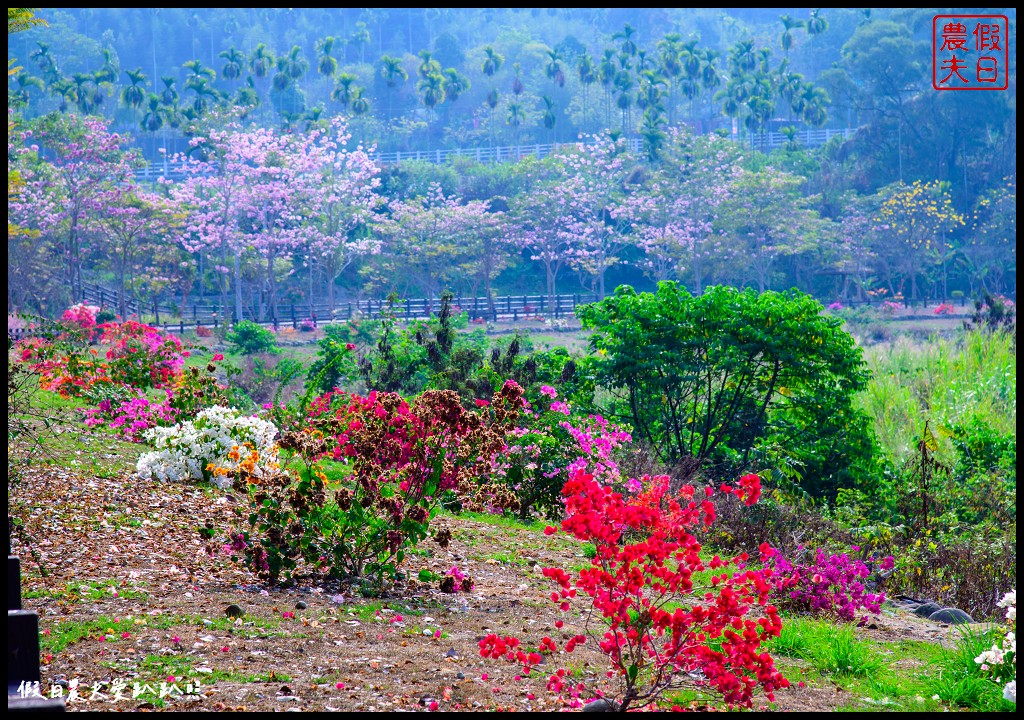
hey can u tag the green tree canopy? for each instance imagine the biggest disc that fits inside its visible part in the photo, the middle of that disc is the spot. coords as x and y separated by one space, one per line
736 379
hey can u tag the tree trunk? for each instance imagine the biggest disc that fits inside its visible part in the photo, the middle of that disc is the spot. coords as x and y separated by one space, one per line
238 290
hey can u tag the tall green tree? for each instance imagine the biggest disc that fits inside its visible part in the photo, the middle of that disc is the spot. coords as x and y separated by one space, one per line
737 380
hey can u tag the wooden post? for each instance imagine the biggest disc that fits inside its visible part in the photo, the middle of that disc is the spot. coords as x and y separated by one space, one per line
295 324
350 311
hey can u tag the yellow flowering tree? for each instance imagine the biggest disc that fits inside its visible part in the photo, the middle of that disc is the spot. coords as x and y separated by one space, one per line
913 235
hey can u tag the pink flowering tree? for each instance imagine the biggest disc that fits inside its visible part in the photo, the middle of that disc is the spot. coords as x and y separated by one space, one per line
129 223
437 240
67 163
340 204
568 219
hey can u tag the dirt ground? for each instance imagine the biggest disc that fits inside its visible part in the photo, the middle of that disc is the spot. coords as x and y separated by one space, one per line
128 554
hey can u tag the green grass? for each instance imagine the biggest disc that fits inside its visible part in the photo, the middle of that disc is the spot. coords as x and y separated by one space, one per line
843 654
156 668
798 638
960 681
949 382
72 631
94 591
901 675
504 521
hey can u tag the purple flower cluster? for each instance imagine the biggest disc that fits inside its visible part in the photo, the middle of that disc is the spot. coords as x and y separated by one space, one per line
832 585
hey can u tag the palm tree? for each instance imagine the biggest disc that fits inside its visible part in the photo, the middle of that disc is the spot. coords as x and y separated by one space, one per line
46 62
516 117
642 63
295 64
816 103
313 117
432 87
342 92
606 72
669 48
587 72
262 61
326 64
742 56
247 99
154 117
108 70
64 89
628 46
455 84
197 71
394 75
549 116
205 95
653 135
517 80
554 69
625 102
234 64
360 103
788 25
83 92
169 95
816 25
428 66
133 95
493 61
24 81
650 93
790 86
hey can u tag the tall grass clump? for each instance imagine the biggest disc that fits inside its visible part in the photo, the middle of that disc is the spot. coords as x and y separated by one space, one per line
943 500
950 382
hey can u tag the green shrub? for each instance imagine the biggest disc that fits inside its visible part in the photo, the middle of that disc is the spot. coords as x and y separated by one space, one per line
719 376
249 338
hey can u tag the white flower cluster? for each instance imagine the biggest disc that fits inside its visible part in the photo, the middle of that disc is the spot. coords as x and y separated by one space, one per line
1002 660
184 450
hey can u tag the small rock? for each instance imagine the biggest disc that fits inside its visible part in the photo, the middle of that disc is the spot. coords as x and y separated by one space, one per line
451 653
953 616
927 609
460 676
234 611
601 705
300 605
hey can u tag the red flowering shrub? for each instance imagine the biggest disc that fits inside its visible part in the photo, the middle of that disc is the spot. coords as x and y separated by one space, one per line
636 584
398 459
138 356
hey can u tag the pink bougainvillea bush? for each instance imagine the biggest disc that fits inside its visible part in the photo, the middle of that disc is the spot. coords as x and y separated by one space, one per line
830 585
642 606
82 315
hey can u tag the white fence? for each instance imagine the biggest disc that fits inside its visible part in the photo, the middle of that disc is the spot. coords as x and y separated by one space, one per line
511 153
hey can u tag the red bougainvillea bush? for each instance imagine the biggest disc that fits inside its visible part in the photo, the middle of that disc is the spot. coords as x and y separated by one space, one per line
641 604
